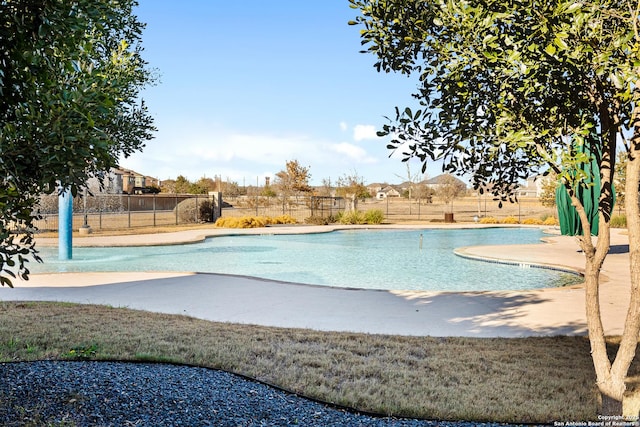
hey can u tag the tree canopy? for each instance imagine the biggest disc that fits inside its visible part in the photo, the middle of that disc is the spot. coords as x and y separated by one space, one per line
295 178
508 88
504 85
71 73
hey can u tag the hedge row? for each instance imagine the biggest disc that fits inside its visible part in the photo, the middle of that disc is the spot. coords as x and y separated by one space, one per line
253 221
513 220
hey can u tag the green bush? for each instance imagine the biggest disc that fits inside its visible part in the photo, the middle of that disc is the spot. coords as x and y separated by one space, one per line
618 221
374 216
352 217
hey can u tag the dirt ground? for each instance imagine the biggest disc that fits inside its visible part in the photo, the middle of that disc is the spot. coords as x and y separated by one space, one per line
463 209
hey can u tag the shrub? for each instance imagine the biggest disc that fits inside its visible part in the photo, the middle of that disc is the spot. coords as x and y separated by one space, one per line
205 213
510 220
550 220
351 217
186 211
374 216
226 222
282 219
488 220
316 220
618 221
532 221
253 221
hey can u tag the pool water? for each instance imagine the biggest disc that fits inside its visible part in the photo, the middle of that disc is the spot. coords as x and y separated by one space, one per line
371 259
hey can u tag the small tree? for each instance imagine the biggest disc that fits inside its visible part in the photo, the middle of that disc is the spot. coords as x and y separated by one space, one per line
508 88
412 180
449 189
352 188
231 188
424 192
168 186
293 180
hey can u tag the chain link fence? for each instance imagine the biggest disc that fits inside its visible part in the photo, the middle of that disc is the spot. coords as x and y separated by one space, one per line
110 212
121 211
464 209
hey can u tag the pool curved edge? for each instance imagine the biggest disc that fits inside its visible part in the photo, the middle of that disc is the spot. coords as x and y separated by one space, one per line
463 252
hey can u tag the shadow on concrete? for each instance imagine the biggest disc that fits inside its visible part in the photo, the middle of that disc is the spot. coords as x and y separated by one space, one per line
238 299
493 314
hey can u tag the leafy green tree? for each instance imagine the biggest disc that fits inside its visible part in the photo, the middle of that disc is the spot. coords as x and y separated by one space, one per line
204 185
509 87
198 188
182 185
70 79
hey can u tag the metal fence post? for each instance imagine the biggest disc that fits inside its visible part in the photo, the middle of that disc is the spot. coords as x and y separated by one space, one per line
129 209
154 209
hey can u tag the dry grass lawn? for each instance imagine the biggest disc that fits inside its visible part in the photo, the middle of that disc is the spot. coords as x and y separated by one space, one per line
507 380
529 380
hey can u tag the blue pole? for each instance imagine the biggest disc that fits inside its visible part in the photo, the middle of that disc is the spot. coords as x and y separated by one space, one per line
65 225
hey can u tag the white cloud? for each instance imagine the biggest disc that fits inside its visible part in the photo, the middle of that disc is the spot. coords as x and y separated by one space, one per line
362 132
199 149
343 126
352 152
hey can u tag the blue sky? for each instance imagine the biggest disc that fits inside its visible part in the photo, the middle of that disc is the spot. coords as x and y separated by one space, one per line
247 85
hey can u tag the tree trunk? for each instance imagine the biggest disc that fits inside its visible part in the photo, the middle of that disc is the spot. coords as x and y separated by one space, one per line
611 377
629 341
351 203
611 387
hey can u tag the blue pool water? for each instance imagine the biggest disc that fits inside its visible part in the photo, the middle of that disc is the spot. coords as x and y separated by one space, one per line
372 259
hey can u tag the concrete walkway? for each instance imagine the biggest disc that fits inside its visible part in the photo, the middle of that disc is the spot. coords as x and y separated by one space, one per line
248 300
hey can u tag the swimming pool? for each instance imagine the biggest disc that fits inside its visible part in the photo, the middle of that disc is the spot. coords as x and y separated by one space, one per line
370 259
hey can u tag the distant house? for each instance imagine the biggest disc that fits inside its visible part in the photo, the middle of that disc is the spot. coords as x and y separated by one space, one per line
375 187
131 182
386 192
435 182
534 187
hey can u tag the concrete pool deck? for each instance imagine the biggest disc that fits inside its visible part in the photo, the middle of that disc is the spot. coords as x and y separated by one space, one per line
238 299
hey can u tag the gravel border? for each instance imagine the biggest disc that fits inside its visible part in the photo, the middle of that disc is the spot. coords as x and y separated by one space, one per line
79 393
